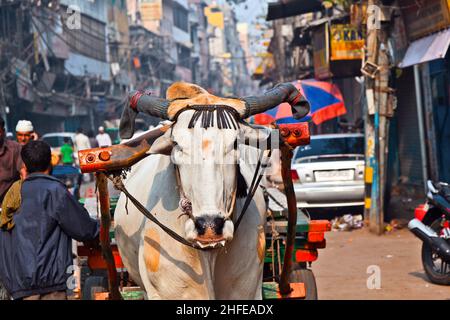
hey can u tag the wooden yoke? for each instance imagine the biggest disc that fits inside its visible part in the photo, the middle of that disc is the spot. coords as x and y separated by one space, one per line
119 156
292 135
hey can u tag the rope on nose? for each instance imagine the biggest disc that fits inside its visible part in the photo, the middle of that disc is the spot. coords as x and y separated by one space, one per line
118 184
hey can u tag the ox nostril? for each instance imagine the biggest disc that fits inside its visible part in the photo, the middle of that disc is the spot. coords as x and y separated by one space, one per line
200 225
218 224
207 224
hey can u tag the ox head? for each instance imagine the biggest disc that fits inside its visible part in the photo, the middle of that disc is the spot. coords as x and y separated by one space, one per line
203 143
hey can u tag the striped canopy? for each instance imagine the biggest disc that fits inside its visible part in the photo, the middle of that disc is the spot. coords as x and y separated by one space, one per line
325 99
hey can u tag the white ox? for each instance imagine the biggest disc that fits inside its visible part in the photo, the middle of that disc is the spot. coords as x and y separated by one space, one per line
208 162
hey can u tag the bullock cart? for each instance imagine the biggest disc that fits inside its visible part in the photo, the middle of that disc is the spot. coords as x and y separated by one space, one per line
309 237
292 239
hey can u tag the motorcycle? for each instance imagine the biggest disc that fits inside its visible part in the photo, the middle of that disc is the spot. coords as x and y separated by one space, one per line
432 225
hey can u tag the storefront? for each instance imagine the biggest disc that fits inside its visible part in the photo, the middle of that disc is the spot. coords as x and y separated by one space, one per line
423 94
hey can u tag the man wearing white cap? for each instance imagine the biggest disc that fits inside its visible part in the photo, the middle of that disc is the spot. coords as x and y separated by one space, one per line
103 139
25 132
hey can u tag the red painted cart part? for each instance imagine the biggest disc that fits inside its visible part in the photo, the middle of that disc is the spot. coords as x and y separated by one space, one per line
306 255
101 296
319 226
95 259
316 236
420 212
295 134
315 245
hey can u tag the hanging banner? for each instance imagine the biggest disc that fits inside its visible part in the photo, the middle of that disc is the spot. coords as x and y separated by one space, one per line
347 43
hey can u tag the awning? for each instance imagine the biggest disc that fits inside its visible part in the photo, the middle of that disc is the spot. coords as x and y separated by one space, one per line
427 49
290 8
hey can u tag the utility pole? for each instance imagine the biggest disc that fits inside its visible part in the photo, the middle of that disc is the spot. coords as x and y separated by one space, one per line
378 109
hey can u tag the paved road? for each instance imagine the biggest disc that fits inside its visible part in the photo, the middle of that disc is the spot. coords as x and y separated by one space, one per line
341 270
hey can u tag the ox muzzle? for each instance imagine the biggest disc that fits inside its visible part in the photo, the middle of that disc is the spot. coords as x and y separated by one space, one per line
209 230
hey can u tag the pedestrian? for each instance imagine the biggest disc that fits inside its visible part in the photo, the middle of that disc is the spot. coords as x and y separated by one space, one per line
103 139
66 152
25 132
36 253
10 171
81 140
10 161
92 140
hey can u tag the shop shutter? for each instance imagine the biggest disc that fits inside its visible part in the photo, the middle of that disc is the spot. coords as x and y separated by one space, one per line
408 129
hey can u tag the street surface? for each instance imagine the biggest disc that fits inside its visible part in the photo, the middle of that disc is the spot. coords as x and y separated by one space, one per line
341 270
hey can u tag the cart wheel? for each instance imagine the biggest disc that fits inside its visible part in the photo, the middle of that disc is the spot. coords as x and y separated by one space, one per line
307 277
92 285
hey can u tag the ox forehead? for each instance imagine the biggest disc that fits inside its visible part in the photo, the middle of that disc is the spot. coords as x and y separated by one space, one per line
226 117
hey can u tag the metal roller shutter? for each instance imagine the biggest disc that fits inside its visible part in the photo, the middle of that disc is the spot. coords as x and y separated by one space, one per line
408 129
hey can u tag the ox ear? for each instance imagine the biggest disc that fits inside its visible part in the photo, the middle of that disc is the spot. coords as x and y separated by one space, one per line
258 136
162 145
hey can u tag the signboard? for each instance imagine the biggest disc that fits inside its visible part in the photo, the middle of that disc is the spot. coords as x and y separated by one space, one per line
151 10
347 43
321 55
423 17
214 16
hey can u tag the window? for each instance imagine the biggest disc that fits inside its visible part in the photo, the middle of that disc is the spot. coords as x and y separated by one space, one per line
184 56
324 147
180 18
90 40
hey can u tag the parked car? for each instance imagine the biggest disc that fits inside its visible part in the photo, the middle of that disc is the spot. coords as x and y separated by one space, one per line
329 172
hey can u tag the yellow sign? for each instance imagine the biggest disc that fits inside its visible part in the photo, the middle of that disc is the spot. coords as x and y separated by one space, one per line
368 176
214 16
347 43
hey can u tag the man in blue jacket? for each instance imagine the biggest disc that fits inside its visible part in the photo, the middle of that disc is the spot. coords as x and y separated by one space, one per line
36 254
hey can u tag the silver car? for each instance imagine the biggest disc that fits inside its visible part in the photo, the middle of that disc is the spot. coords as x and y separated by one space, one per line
329 172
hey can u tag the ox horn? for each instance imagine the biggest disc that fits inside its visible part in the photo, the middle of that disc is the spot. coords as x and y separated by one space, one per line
141 102
284 92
